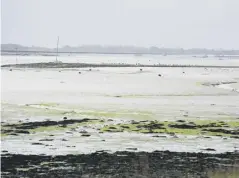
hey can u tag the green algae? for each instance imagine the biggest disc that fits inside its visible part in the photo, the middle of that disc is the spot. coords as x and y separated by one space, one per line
3 135
54 109
166 127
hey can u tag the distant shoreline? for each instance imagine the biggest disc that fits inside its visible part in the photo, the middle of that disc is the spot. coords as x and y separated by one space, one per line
115 49
137 54
88 65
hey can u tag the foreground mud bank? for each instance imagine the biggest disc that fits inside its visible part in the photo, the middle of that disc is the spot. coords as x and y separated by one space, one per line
84 65
85 136
122 164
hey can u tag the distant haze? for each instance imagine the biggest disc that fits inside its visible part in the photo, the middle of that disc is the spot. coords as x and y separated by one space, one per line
162 23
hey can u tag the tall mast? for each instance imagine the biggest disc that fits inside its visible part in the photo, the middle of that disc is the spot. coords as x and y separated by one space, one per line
16 55
57 47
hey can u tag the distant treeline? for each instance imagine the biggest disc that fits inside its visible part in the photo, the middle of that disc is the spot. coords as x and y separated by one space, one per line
19 49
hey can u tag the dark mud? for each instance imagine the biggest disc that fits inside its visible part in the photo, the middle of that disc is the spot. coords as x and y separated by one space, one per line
22 128
122 164
84 65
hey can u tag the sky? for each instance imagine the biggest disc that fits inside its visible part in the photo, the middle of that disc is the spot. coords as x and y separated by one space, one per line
161 23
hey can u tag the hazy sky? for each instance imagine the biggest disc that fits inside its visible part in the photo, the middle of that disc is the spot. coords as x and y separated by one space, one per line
162 23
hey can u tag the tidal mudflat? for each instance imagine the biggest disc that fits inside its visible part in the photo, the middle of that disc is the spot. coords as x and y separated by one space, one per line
115 122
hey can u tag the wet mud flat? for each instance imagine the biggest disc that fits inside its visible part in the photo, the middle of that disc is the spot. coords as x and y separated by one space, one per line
122 164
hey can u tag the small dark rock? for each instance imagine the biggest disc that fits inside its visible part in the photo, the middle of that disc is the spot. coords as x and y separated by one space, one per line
180 121
64 140
162 136
64 118
79 72
4 151
159 75
69 132
125 127
110 119
209 149
85 135
36 143
46 139
132 148
10 69
112 128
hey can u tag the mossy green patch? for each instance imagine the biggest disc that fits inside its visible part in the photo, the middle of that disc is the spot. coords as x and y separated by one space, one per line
203 127
54 109
3 134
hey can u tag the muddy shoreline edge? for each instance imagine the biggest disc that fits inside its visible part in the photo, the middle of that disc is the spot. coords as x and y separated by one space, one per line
85 65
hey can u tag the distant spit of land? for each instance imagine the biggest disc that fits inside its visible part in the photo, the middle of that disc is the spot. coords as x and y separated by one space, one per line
88 65
15 49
